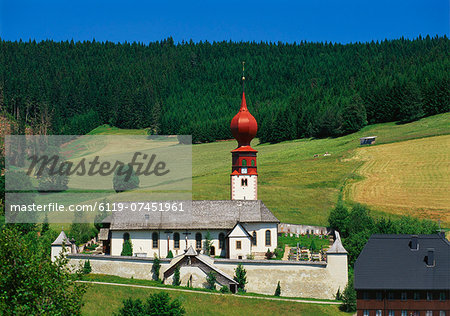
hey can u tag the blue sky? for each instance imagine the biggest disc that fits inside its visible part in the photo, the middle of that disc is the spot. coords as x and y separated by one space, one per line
287 21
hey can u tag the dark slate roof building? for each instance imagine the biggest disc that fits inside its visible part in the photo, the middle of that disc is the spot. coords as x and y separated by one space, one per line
403 275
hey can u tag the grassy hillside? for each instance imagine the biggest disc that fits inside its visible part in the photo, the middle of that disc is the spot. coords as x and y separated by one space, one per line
299 188
200 304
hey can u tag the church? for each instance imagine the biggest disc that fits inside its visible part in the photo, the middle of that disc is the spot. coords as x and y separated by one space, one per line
239 228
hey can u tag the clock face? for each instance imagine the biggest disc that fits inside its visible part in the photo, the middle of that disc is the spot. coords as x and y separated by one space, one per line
244 170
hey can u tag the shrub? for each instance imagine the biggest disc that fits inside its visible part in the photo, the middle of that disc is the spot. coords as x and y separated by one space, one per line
170 254
157 304
127 248
349 297
156 267
225 289
338 294
269 254
211 280
125 179
176 277
87 267
278 289
240 276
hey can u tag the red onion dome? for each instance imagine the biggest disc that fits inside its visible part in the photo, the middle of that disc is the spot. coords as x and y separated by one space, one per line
243 125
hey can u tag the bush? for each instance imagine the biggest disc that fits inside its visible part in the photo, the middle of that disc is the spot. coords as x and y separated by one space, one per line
240 276
225 289
349 297
156 267
211 280
127 248
87 267
278 289
170 254
176 277
158 304
269 254
125 179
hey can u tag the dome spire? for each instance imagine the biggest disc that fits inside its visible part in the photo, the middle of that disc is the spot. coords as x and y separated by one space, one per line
243 77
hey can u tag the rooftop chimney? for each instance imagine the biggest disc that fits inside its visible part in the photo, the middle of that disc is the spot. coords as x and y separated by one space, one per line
414 243
430 257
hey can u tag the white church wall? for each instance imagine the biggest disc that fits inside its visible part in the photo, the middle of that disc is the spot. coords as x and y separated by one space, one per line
143 244
260 229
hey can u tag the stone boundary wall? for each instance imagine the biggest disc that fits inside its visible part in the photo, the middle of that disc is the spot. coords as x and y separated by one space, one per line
295 229
319 280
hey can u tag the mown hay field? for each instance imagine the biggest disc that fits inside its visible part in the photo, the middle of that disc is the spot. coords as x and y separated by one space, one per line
407 178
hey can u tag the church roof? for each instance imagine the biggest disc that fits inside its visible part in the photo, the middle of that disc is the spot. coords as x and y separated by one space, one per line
61 239
205 214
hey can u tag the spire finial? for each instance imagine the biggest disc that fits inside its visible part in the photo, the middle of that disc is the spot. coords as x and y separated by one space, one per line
243 76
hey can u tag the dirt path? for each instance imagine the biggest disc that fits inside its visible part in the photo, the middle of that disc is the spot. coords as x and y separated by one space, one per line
211 293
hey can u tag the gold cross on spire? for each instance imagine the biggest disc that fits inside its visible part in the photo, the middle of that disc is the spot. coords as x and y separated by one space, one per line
243 69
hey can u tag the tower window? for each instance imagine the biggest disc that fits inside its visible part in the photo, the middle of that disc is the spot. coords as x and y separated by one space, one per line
198 240
155 240
176 241
244 182
254 238
238 244
253 162
268 241
244 162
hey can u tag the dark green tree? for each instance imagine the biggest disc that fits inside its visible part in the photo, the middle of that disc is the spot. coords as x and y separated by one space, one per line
240 276
211 280
176 277
278 289
156 267
127 248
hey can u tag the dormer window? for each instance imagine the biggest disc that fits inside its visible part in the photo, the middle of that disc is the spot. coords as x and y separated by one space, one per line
429 259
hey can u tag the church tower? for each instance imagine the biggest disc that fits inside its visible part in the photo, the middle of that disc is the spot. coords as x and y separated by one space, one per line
244 176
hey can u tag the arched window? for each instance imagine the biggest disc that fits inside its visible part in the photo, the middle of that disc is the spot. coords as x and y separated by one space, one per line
222 241
155 240
254 238
244 162
268 241
253 162
176 241
126 236
198 241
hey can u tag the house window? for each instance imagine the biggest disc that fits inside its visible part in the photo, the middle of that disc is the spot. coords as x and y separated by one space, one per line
244 162
268 241
379 312
390 295
365 295
198 241
429 313
254 238
416 296
404 296
442 296
379 296
238 244
253 162
244 182
222 241
404 313
366 312
429 296
155 240
126 236
442 313
391 312
176 241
